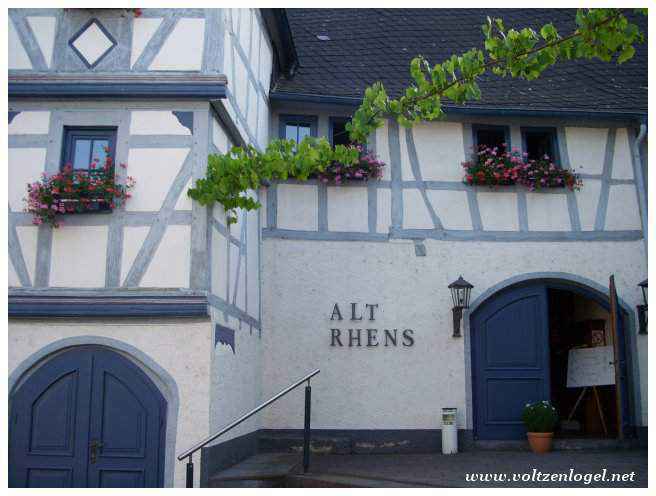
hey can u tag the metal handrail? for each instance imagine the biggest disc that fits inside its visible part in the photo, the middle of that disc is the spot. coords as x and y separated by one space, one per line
196 447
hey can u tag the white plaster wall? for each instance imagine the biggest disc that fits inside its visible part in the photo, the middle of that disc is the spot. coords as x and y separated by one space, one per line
133 239
587 200
498 211
297 207
623 211
181 347
183 49
43 28
143 30
547 212
78 256
236 380
25 166
169 267
586 147
27 236
18 58
622 165
30 122
378 388
154 170
347 209
440 151
156 122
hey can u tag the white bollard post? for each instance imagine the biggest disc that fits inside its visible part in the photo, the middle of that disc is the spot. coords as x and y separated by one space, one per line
449 431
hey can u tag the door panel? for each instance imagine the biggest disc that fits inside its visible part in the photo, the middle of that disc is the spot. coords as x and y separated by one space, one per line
510 360
126 422
88 417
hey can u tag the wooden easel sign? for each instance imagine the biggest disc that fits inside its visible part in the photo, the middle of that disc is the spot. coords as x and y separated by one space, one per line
589 368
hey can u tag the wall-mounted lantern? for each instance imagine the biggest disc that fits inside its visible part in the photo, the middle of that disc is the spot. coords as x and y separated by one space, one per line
642 309
460 291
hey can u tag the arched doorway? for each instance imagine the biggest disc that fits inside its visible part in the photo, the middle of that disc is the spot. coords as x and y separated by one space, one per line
86 417
520 338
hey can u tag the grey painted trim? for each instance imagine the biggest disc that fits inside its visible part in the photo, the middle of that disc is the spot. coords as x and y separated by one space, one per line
158 228
28 140
572 203
104 30
602 206
28 40
127 218
272 206
13 114
322 210
454 235
114 255
220 228
474 211
185 118
108 292
198 256
506 236
240 258
416 172
213 42
522 210
641 188
602 292
161 141
221 305
16 256
372 207
272 233
156 42
162 379
395 171
420 248
43 250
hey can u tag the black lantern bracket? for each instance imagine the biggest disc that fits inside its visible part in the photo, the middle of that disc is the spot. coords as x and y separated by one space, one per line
460 293
642 309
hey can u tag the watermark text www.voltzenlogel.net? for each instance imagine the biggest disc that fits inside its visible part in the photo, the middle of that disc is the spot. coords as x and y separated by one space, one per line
538 476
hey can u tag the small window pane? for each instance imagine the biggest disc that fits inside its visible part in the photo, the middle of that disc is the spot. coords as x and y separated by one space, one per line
82 154
291 132
539 144
491 138
99 155
303 131
339 134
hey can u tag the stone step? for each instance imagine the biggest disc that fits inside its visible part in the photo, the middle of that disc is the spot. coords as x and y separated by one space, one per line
261 470
290 443
337 480
564 444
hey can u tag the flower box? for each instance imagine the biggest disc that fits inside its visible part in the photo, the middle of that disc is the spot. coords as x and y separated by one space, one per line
493 167
367 167
76 192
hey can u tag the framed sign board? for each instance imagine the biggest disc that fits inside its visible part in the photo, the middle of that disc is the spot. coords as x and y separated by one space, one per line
590 367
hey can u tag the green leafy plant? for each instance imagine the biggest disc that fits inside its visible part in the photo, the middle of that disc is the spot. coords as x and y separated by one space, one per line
540 416
603 34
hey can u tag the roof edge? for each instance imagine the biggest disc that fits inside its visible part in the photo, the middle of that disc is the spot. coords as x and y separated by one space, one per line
519 112
280 34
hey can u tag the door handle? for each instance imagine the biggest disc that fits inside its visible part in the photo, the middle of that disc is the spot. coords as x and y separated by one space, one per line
94 446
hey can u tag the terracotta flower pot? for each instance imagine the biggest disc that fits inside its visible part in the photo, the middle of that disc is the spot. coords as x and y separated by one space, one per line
540 441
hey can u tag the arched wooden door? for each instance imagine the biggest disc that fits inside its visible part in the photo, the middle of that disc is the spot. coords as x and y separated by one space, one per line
88 417
510 360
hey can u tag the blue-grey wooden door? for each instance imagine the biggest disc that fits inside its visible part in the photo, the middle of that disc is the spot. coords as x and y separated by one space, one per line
510 360
87 418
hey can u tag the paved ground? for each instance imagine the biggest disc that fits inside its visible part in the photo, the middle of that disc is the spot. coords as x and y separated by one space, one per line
451 471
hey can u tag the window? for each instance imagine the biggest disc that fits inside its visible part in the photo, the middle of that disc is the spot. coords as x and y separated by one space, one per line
338 133
490 136
86 145
540 141
297 127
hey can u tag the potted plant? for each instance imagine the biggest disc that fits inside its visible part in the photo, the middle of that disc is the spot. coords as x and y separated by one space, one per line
540 419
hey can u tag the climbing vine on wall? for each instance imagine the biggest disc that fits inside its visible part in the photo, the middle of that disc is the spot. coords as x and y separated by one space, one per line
603 34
